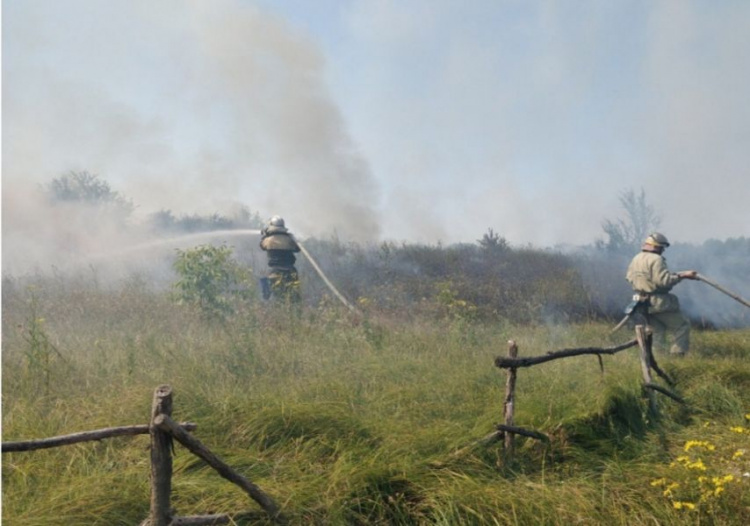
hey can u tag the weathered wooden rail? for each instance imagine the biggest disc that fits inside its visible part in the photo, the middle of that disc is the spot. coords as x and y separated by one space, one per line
512 363
163 431
85 436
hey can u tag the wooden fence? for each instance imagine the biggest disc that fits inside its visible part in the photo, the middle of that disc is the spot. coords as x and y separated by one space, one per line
643 339
163 431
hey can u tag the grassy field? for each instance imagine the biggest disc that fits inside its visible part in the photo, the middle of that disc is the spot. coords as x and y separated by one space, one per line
362 421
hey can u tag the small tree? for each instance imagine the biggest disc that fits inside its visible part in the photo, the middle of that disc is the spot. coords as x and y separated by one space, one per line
640 220
492 242
161 221
88 189
211 280
243 217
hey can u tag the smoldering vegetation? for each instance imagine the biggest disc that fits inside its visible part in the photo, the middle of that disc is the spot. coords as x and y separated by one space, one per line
77 229
527 284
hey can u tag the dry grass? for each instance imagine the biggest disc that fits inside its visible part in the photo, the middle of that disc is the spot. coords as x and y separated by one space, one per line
347 421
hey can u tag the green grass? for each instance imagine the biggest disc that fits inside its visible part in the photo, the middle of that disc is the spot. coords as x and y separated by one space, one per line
347 421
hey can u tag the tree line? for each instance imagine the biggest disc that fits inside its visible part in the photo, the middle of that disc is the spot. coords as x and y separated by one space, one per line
483 280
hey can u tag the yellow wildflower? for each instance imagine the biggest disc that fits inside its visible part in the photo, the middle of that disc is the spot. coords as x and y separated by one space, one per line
668 490
738 429
699 443
724 479
737 454
678 505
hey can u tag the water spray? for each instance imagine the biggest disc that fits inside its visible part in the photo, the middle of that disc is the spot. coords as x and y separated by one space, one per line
174 242
181 240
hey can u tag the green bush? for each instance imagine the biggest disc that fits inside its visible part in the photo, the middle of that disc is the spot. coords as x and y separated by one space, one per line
209 279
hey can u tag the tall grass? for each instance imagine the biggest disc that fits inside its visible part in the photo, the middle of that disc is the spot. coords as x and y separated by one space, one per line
353 421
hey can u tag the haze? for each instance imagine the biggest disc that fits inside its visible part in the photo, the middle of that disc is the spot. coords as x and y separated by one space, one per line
423 121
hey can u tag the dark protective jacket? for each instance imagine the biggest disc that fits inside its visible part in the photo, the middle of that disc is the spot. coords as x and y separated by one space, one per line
280 246
648 274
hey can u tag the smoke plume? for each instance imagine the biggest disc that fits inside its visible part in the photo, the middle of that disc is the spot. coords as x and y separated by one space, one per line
420 121
185 106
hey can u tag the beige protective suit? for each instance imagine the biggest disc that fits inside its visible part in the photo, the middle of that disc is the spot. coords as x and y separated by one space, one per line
282 274
648 274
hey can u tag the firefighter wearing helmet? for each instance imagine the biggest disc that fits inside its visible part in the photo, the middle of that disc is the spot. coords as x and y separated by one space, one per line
280 246
652 282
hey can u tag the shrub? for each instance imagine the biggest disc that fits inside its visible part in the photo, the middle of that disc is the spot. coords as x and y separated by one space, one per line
211 280
85 188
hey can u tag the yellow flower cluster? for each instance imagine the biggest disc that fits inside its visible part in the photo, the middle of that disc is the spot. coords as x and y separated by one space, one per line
690 444
714 486
668 486
689 463
701 491
455 307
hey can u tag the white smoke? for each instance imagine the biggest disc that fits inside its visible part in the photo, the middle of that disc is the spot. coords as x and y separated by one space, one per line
186 106
535 116
423 121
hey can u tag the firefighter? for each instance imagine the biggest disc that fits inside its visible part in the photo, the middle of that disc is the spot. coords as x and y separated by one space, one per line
282 281
652 282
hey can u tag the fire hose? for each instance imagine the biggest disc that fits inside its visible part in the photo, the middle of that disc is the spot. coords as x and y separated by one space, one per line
718 287
698 277
325 279
622 322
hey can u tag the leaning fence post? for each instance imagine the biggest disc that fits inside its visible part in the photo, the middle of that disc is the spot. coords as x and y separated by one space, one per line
161 459
198 449
510 397
643 343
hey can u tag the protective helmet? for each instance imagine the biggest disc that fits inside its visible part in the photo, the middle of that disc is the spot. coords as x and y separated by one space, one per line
276 221
658 240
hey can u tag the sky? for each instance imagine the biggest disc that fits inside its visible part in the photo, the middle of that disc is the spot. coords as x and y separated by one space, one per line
424 121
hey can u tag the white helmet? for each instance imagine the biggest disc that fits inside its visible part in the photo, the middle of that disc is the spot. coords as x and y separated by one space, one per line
276 221
657 240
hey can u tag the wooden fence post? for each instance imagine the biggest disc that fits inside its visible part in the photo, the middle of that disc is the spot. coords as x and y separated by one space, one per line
201 451
510 397
643 343
161 460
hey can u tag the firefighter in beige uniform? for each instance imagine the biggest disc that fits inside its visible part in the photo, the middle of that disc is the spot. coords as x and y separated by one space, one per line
281 247
651 279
